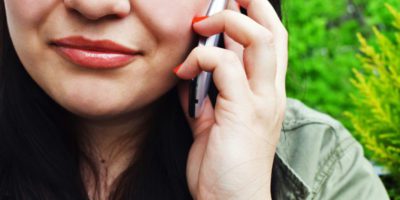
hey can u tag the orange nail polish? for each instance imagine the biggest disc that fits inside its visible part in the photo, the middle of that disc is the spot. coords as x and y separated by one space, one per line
197 19
176 69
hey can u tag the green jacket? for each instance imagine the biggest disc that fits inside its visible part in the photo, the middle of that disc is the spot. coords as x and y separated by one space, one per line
317 158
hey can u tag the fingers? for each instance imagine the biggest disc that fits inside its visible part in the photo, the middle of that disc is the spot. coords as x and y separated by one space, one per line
259 57
263 13
206 117
228 74
238 26
262 29
229 42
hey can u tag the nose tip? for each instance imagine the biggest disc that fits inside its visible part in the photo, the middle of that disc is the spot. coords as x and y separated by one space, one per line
96 9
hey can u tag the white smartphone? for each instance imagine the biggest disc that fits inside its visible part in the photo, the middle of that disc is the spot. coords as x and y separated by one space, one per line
199 85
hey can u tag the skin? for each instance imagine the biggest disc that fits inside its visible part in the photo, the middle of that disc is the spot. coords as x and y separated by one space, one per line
110 105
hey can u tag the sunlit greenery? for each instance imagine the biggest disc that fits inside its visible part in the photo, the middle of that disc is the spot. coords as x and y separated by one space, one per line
323 47
328 41
376 117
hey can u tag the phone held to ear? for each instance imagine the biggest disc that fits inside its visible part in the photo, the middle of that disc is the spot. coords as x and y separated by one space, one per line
199 85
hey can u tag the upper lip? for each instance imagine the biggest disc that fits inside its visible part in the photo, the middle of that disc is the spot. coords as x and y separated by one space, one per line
105 45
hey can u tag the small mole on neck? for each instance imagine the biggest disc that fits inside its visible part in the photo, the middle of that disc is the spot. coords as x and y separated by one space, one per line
102 161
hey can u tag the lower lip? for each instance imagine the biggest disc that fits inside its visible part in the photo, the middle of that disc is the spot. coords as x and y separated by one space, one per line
95 59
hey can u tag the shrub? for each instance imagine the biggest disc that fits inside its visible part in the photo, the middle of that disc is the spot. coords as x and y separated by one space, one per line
376 113
322 42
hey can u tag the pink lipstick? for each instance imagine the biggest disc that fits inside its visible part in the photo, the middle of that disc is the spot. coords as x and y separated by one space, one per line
98 54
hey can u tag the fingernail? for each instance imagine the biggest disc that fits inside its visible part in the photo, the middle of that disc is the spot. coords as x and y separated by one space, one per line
176 69
199 18
238 5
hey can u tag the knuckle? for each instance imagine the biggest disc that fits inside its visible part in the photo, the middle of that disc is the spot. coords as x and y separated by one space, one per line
230 57
264 36
261 111
284 32
268 109
197 50
230 61
229 13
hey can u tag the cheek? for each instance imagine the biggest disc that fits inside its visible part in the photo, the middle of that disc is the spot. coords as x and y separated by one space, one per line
170 19
27 13
24 18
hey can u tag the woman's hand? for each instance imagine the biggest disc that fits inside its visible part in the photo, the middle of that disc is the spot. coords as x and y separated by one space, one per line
234 144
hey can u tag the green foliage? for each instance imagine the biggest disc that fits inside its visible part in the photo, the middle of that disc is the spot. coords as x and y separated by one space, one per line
322 42
322 47
318 50
376 116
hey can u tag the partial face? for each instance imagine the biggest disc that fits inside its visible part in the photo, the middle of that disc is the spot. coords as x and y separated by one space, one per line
159 29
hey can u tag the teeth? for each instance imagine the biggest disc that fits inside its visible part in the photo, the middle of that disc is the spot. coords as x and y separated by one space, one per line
100 54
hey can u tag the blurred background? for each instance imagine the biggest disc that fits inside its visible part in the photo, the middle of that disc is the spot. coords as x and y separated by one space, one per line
344 60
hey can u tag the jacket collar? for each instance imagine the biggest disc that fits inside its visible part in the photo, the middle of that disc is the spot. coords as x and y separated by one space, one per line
289 184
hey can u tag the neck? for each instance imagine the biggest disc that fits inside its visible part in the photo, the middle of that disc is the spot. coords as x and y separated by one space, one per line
110 145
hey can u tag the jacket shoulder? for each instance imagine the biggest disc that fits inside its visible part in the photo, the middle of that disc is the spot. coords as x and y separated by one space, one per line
325 157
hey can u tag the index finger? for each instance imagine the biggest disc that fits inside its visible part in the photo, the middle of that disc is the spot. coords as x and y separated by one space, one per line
259 58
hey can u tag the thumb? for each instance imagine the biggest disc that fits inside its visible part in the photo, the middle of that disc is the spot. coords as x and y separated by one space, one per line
206 117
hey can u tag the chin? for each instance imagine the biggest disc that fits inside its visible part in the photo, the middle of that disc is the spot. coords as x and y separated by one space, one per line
106 101
93 106
103 107
95 112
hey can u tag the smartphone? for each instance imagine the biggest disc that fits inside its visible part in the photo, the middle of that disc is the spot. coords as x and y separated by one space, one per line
199 85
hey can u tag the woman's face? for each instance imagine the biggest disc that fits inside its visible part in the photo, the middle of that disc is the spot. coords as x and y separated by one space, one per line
159 29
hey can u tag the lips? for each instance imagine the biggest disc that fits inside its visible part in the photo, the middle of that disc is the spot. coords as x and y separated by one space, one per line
98 54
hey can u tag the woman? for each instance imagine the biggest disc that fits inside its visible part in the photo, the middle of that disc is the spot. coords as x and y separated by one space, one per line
84 118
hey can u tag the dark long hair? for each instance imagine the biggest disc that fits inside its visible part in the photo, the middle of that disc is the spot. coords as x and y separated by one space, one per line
39 155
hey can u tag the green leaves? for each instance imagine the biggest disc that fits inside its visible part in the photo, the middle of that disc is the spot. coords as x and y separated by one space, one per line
322 43
323 46
376 117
